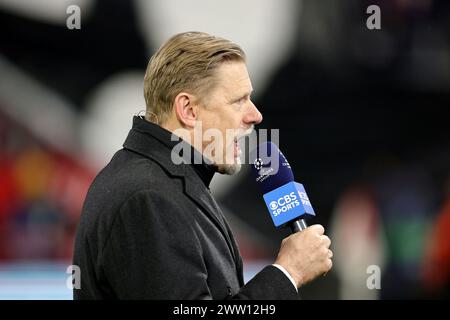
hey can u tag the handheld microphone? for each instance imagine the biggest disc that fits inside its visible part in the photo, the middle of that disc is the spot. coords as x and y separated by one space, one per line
286 200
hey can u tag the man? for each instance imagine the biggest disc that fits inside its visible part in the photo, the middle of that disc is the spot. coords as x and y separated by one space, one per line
150 228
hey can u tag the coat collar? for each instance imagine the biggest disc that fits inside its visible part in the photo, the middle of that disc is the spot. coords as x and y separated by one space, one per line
144 138
163 140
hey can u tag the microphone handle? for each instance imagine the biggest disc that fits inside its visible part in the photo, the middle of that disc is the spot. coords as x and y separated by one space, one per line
298 225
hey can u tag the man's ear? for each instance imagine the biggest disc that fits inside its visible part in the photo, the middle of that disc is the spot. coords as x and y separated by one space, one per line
185 109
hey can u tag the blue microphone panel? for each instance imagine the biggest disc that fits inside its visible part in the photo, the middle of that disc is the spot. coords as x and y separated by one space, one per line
287 203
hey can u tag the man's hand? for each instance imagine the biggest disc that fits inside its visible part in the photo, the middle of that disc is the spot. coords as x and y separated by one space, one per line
306 255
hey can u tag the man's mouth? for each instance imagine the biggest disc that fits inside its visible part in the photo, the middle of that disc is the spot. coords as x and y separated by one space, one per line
237 149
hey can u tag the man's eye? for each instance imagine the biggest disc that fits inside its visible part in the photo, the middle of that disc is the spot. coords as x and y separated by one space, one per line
242 101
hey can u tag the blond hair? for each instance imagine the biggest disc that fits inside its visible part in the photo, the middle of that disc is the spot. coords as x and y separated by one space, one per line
186 62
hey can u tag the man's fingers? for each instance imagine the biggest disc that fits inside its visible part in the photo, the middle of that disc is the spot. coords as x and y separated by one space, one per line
318 228
328 266
326 240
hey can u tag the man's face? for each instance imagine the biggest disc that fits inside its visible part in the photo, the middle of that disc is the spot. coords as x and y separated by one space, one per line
229 111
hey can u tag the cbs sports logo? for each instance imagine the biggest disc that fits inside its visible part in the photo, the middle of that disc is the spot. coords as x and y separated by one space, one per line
284 204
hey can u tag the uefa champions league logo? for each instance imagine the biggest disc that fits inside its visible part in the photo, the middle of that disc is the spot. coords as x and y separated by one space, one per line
258 163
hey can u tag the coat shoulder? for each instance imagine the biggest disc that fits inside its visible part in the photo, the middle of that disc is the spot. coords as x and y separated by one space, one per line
126 175
129 173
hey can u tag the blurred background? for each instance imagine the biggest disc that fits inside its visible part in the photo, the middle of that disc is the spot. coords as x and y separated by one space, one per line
363 119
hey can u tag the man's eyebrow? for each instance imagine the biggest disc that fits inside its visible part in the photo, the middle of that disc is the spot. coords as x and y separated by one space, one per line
233 99
248 93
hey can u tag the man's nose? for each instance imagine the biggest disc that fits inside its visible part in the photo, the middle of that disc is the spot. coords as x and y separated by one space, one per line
252 115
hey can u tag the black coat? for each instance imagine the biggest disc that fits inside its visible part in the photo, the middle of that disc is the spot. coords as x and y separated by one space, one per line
151 229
